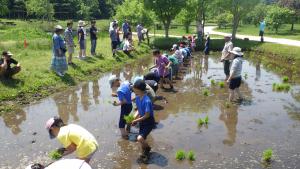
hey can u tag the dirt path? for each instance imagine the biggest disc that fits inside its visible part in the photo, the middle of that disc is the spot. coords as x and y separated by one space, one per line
282 41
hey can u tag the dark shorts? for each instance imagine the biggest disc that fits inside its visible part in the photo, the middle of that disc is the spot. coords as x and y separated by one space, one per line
206 50
235 83
82 44
261 33
114 44
125 110
10 72
227 67
146 127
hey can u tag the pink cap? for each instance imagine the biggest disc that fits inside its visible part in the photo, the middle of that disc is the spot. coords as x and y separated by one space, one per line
49 123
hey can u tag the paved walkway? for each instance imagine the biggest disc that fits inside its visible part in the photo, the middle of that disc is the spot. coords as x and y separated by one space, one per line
210 29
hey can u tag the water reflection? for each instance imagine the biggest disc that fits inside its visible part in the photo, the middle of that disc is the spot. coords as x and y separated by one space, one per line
230 118
13 120
257 70
84 97
66 104
96 91
128 72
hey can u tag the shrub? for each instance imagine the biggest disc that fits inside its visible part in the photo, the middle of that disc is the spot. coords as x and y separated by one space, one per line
165 43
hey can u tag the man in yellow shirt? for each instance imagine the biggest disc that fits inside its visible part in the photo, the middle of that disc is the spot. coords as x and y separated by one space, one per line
73 138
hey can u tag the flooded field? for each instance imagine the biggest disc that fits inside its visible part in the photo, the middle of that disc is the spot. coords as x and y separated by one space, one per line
235 136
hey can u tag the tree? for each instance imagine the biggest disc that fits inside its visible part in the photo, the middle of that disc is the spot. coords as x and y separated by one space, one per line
3 7
40 8
259 12
188 14
134 11
292 5
224 19
165 10
277 16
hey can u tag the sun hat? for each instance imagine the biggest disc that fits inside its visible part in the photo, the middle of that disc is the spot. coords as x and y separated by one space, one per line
138 78
58 27
48 126
81 23
227 36
237 51
7 53
112 80
174 46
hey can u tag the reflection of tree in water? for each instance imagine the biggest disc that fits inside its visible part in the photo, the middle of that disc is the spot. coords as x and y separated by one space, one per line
66 104
13 120
96 91
230 118
84 97
257 70
293 111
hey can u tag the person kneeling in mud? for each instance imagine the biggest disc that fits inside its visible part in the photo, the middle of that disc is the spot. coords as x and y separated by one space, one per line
125 101
63 164
235 77
144 116
73 138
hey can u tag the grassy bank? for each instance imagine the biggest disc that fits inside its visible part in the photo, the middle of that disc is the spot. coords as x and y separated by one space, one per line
283 32
36 79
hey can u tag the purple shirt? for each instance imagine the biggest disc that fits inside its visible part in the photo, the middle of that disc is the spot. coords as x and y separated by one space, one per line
161 63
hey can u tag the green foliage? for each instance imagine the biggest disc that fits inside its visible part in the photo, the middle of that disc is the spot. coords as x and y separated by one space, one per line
187 15
212 82
164 43
224 19
267 155
281 87
134 11
55 155
221 84
129 118
40 8
277 16
258 12
180 155
165 11
285 79
191 156
3 7
206 92
206 120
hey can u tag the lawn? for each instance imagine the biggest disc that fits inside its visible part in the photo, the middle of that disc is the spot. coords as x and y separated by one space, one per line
283 32
36 80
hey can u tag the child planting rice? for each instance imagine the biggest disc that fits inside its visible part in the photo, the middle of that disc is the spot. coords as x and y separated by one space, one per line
144 116
63 164
124 95
73 138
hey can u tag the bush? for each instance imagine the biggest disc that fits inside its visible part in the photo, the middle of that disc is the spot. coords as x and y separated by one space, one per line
224 19
164 43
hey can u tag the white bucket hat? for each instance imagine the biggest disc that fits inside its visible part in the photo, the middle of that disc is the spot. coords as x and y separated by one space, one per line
58 27
112 80
227 36
174 46
81 23
237 51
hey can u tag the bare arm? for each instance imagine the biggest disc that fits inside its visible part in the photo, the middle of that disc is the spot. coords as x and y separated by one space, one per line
4 65
139 119
70 149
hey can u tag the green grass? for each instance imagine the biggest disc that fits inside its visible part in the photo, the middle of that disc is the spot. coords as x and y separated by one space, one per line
267 155
129 118
36 81
191 156
180 155
284 31
55 155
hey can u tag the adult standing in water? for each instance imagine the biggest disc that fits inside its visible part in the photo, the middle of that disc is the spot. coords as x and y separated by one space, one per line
69 41
59 63
226 55
262 26
93 35
207 45
82 39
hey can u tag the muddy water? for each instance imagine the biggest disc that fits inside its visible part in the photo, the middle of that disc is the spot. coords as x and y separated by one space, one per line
234 138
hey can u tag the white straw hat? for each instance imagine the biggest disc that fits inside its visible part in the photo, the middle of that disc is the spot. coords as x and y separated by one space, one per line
237 51
58 27
81 23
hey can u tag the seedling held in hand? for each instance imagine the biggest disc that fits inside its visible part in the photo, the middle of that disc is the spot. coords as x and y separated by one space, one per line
55 155
129 118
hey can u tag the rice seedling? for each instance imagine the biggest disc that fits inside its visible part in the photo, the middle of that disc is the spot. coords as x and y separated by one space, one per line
191 156
206 92
267 155
212 82
206 120
180 155
200 122
227 105
129 118
246 76
280 87
55 155
221 84
285 79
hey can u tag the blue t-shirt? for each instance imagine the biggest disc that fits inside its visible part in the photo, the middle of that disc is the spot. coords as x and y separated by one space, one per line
124 92
58 43
262 26
144 106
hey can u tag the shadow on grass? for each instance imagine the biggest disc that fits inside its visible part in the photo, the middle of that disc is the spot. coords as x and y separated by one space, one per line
11 82
69 80
99 56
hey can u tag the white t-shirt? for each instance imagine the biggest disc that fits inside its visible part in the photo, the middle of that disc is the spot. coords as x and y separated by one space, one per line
236 67
227 47
127 45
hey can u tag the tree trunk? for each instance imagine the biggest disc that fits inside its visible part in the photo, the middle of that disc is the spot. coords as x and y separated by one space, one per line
167 26
235 22
187 28
292 27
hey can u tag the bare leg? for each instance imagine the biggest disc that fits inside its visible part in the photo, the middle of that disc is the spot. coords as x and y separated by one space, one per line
80 53
161 82
124 133
145 146
70 58
169 82
239 93
231 95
